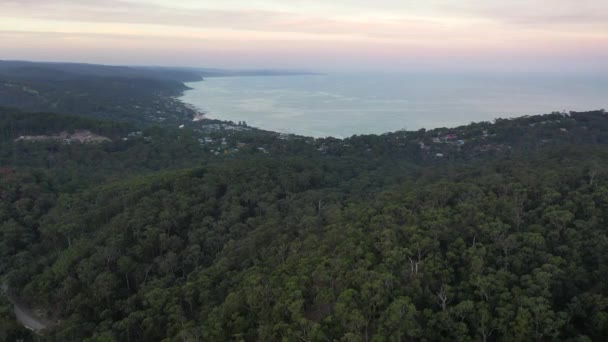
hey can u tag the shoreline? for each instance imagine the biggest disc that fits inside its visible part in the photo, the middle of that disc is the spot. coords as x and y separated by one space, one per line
310 108
199 114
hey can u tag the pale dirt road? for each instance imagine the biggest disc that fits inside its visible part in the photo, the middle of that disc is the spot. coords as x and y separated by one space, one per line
24 315
28 319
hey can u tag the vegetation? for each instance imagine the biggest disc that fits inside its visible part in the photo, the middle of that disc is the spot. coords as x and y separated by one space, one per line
491 231
136 95
140 95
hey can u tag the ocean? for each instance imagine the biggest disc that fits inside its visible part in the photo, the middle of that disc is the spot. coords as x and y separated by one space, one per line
342 105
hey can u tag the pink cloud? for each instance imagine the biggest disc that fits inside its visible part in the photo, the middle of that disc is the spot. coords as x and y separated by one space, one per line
487 33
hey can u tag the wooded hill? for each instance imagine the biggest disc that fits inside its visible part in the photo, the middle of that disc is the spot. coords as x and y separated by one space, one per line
127 94
491 231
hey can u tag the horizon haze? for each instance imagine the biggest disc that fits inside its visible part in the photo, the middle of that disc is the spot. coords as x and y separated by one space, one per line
385 35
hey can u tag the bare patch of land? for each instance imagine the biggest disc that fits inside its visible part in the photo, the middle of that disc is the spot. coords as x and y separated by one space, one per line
81 136
31 319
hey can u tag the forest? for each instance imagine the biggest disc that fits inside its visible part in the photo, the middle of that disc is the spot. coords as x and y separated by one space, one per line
139 95
494 231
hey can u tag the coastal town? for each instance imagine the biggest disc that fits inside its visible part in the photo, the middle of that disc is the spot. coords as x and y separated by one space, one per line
224 138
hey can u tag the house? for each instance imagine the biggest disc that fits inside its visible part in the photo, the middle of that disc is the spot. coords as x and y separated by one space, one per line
135 134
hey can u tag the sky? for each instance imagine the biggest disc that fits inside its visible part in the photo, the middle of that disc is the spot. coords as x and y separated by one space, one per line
316 35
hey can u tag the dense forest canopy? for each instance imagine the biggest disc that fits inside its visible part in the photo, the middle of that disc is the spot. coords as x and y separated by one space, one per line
152 236
127 99
143 230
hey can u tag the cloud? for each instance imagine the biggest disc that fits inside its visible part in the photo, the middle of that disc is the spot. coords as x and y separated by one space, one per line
437 19
245 20
537 12
281 31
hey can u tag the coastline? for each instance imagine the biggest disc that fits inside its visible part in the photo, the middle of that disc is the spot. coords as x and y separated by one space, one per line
199 114
352 104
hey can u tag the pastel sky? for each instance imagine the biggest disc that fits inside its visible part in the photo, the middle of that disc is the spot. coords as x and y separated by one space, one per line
312 34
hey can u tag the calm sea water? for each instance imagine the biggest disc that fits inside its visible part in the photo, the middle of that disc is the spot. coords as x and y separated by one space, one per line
342 105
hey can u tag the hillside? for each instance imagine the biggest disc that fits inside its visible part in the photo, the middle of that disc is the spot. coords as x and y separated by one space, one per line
42 70
491 231
125 94
137 95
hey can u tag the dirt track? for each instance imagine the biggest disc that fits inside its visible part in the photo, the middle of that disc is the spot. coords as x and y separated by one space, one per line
28 319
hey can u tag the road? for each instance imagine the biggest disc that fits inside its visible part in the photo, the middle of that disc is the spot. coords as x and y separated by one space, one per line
28 319
26 316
